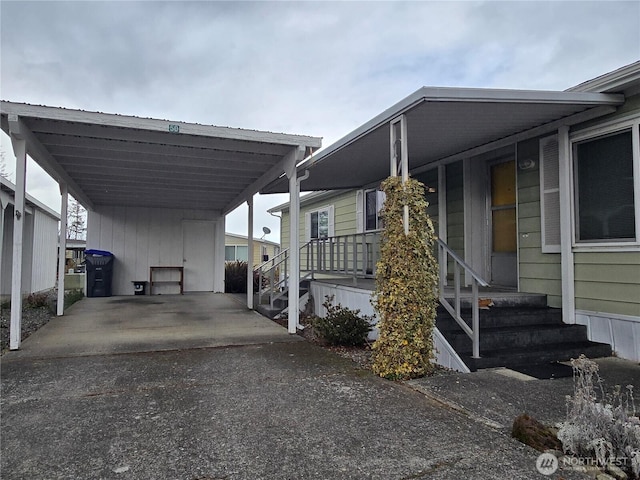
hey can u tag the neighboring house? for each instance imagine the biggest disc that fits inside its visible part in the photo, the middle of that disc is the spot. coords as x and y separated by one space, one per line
538 192
75 250
40 244
236 248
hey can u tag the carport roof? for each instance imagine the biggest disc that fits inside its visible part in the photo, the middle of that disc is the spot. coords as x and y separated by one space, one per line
120 160
444 124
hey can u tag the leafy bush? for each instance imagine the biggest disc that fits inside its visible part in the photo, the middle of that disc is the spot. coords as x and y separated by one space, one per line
342 326
604 427
235 277
406 285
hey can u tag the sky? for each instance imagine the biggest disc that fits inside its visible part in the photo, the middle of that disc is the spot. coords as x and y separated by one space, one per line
309 68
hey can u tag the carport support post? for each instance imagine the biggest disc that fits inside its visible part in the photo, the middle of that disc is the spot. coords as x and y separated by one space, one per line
20 150
62 252
250 255
294 235
566 240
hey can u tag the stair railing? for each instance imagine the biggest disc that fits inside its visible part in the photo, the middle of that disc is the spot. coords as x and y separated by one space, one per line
473 332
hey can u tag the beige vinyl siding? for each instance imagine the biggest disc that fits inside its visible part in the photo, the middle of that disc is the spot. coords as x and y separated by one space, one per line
232 240
539 272
608 282
344 216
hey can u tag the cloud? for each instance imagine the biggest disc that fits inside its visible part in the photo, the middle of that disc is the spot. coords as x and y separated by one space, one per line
315 68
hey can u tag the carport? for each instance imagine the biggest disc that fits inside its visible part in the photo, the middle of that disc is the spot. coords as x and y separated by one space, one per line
150 186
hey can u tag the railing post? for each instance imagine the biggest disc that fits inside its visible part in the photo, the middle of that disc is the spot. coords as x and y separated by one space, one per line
476 319
442 255
456 280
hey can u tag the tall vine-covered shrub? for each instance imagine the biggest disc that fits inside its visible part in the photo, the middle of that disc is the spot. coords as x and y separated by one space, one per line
406 280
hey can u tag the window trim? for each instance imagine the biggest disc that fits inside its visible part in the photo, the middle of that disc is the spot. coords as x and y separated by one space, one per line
610 128
330 211
235 252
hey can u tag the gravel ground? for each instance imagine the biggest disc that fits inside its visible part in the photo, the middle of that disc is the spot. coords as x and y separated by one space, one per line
32 319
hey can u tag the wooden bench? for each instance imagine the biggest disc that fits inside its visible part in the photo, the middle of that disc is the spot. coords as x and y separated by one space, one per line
164 282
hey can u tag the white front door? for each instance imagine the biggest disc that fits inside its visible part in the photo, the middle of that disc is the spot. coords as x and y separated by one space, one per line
198 258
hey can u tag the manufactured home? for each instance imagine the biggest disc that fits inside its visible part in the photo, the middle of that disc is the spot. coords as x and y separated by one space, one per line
236 248
535 200
39 247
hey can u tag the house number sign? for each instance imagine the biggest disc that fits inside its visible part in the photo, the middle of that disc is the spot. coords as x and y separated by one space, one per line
174 128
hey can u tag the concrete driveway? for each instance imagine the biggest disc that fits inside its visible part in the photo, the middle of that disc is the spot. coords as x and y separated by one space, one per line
131 324
258 404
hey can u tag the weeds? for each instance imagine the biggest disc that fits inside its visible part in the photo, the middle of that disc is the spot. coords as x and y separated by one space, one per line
599 425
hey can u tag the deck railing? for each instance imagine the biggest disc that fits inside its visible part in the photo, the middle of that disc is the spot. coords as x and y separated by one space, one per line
356 255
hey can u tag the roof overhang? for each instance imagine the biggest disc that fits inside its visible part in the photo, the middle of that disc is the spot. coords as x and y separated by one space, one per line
7 197
116 160
444 124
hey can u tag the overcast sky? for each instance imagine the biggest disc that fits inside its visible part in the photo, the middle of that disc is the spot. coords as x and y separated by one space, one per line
311 68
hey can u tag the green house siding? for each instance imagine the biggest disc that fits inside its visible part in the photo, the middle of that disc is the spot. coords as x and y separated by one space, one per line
455 207
608 282
344 216
539 272
430 180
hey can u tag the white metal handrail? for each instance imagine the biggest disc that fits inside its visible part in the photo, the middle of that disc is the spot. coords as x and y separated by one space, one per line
473 332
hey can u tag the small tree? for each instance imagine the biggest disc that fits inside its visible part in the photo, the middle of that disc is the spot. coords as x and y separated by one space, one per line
76 220
406 281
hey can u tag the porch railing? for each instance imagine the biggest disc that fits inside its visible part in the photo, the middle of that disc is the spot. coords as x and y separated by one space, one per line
356 255
459 265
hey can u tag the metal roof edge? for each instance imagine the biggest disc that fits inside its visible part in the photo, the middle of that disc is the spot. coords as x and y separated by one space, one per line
245 237
31 200
154 124
455 94
319 195
611 81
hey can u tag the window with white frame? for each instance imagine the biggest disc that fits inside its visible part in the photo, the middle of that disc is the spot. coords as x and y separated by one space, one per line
319 223
234 253
373 202
605 187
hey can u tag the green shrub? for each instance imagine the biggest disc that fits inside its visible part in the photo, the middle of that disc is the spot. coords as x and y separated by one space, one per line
406 285
72 296
342 326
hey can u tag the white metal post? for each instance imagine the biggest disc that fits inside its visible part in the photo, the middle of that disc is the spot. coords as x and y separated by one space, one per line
20 150
566 232
294 243
62 257
294 253
2 207
250 254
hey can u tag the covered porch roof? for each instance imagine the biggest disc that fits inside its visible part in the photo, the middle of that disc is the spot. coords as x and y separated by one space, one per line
446 124
118 160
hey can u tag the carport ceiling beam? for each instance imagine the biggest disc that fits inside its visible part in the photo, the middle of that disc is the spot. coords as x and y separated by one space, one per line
46 160
274 172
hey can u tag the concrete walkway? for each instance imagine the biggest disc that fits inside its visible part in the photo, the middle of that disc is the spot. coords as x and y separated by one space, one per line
259 405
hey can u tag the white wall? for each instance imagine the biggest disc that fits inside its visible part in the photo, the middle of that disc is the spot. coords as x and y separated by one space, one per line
45 251
143 237
622 332
39 251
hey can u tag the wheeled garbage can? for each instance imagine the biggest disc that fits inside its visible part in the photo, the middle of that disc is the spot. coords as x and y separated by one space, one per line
99 271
